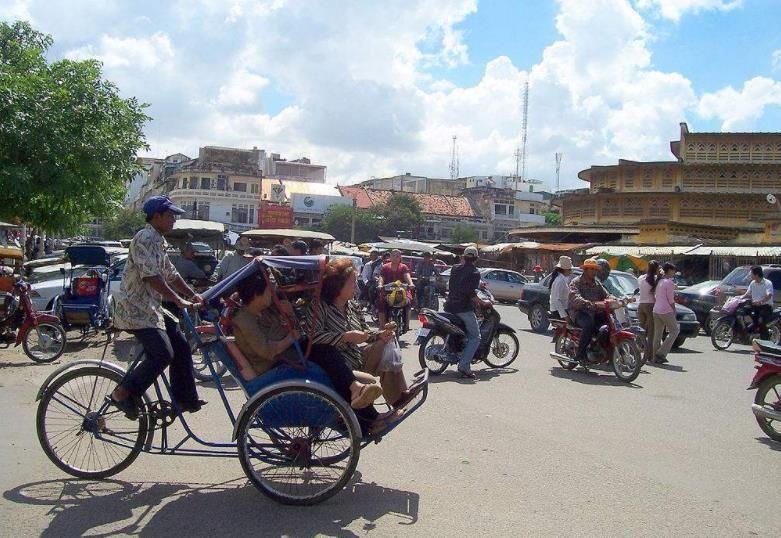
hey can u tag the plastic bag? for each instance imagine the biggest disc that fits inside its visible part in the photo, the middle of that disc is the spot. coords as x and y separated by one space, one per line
391 357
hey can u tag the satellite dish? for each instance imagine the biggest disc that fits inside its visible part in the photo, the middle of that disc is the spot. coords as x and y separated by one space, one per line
771 199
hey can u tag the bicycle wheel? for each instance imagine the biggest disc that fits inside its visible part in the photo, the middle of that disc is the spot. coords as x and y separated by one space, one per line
200 368
504 349
45 343
82 435
299 445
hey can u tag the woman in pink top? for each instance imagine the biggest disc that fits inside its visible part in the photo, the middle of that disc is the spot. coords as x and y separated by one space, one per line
645 307
664 314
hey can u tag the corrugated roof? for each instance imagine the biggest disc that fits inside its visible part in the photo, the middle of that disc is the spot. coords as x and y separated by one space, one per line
431 204
534 245
640 250
736 251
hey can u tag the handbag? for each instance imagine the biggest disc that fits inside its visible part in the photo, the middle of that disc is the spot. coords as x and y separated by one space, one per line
372 357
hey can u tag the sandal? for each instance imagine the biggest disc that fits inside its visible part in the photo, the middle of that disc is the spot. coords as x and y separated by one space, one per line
366 396
126 406
383 421
467 375
408 395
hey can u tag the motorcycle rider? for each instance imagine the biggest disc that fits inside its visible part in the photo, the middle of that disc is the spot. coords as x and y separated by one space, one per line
461 300
391 272
233 261
761 292
586 300
425 270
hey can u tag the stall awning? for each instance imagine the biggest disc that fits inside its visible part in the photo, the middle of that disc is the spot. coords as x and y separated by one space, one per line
640 250
736 251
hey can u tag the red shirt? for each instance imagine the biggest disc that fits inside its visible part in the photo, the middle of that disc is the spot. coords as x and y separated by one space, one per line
389 275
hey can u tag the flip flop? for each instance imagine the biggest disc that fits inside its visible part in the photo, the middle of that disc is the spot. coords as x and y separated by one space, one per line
366 396
383 421
408 395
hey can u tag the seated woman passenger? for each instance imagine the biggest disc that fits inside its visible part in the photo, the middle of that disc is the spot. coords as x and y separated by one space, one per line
340 323
263 338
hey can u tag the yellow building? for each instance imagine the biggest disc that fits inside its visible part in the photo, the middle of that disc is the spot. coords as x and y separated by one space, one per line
716 189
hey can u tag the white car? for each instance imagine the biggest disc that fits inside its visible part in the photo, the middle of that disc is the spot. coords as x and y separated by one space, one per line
47 284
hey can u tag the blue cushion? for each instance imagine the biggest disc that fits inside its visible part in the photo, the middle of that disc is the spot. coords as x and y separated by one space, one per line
285 372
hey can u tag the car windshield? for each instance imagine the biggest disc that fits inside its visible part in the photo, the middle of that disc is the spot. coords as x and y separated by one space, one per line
624 283
740 276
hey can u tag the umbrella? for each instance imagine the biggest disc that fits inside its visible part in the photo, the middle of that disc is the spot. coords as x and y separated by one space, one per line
625 262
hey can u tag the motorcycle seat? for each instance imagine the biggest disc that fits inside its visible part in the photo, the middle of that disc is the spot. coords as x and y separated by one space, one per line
446 317
766 346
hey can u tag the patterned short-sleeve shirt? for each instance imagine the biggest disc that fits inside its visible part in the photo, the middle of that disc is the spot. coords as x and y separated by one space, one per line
138 305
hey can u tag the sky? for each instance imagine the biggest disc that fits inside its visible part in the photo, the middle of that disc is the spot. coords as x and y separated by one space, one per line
378 88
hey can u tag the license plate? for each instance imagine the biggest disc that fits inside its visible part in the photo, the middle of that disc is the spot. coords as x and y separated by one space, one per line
422 333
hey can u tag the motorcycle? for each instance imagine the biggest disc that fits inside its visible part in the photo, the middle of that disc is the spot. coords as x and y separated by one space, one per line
735 324
767 383
396 299
442 339
610 343
426 293
40 333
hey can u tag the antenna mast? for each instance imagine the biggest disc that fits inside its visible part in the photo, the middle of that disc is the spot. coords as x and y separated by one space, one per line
454 160
524 125
558 167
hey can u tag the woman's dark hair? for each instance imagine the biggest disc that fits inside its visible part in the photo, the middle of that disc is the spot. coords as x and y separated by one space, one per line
279 250
251 287
556 272
336 274
668 267
652 274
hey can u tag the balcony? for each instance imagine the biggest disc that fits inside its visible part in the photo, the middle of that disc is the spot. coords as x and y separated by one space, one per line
528 196
214 194
526 218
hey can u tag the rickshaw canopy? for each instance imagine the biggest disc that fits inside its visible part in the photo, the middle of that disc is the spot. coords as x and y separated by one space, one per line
284 232
88 255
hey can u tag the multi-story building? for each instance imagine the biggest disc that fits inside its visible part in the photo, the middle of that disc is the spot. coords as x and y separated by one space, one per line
420 184
715 189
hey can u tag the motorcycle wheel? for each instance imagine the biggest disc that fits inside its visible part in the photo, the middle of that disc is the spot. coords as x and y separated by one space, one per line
45 343
775 334
430 348
770 387
627 361
722 335
561 345
504 349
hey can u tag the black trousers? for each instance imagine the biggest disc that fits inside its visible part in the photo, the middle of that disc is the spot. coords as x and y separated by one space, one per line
164 349
762 315
329 359
589 322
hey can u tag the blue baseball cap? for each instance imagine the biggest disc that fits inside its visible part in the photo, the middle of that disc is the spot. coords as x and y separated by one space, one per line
160 204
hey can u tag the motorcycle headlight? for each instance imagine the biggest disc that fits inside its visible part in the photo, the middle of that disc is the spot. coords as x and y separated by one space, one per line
689 317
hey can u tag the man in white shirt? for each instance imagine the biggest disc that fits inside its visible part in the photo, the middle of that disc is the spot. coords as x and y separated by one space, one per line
761 292
366 274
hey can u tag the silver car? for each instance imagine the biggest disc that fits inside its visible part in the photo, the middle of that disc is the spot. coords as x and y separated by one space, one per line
505 285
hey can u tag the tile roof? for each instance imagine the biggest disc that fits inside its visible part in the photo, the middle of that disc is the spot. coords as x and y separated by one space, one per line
431 204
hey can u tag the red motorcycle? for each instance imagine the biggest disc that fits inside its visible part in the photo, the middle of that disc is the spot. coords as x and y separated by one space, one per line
610 343
40 333
767 383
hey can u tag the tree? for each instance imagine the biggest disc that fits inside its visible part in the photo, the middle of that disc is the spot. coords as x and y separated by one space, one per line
338 222
401 212
124 224
463 233
68 141
552 218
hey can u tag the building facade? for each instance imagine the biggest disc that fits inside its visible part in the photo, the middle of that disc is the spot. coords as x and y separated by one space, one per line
715 189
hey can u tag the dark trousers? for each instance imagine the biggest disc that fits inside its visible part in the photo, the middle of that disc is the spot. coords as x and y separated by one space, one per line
589 322
164 349
762 315
329 359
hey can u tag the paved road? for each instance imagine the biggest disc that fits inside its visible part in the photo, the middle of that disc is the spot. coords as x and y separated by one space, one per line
531 450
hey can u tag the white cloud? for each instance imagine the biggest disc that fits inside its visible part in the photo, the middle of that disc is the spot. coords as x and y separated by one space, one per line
775 60
16 10
739 109
675 9
243 89
134 53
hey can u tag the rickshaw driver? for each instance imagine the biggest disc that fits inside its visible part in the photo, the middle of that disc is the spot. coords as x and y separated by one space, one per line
150 277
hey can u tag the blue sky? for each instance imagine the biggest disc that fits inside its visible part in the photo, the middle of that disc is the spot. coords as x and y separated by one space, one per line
379 88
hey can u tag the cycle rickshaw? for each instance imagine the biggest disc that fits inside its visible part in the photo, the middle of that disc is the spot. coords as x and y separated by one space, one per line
297 439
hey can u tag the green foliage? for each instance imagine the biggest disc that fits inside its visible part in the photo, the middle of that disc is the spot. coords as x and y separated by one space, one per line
401 212
552 218
463 233
338 221
123 225
68 141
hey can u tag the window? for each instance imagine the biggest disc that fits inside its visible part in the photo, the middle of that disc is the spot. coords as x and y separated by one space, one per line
515 278
740 276
239 187
491 276
193 182
206 183
222 181
255 188
240 213
504 210
202 210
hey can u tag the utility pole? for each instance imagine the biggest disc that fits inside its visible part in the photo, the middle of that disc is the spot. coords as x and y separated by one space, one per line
352 225
559 156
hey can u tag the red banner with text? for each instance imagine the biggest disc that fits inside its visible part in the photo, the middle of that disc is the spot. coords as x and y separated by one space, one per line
272 216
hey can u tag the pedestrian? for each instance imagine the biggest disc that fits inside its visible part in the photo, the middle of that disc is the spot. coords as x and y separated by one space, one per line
645 307
537 273
299 248
559 288
233 261
761 292
664 314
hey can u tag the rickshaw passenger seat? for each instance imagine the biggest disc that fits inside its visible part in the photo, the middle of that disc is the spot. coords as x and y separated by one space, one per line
242 364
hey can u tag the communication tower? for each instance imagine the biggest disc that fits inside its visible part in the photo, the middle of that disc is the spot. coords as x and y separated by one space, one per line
454 160
559 156
521 159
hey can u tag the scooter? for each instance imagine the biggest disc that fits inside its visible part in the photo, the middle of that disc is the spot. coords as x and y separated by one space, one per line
610 343
767 383
396 298
735 324
442 339
41 334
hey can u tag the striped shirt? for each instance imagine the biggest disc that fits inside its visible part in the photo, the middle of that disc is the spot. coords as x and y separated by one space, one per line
332 323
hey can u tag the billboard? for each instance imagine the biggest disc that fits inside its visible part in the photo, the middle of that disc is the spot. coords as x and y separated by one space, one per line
317 204
272 216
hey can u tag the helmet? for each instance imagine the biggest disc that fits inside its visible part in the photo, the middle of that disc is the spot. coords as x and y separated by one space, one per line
470 252
604 269
590 263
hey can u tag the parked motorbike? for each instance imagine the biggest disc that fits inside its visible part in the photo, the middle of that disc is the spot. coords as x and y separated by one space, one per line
442 339
610 343
767 383
41 334
396 299
735 324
